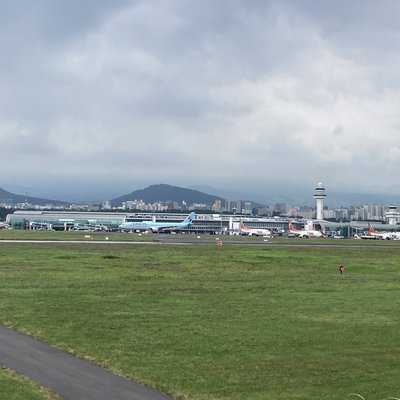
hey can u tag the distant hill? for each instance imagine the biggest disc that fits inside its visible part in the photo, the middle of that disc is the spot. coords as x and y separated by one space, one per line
11 198
163 192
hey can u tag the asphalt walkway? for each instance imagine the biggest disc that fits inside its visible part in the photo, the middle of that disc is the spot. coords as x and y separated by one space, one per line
67 375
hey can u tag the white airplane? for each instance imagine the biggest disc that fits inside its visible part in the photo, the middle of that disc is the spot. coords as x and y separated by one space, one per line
254 231
382 235
157 226
304 233
3 225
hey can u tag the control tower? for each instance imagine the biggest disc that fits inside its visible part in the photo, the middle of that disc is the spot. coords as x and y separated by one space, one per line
392 215
320 196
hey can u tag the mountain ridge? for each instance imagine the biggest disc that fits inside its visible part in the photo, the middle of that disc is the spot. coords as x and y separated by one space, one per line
163 192
6 197
201 194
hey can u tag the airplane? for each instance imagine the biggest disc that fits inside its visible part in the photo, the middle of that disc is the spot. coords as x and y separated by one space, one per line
382 235
157 226
90 228
304 233
4 225
254 231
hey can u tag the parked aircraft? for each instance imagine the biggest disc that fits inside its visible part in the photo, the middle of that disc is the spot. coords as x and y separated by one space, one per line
90 228
382 235
3 225
244 230
304 233
157 226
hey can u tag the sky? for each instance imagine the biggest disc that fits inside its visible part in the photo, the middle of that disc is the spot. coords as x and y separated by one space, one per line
99 98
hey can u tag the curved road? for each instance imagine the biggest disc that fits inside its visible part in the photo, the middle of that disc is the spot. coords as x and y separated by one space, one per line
65 374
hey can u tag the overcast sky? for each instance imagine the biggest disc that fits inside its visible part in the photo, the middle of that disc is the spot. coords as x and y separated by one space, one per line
103 97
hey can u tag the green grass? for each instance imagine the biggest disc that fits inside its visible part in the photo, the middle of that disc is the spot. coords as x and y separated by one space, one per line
20 234
16 387
207 322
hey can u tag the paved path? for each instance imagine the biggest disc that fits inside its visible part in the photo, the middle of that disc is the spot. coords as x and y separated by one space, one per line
65 374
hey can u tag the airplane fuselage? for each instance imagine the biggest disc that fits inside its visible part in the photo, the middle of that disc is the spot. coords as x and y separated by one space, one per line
383 235
156 226
255 232
145 226
304 233
244 230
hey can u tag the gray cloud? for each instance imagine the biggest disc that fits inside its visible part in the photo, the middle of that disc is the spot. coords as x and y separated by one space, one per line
227 93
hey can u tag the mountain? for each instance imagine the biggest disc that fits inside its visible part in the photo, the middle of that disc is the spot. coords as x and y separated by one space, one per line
11 198
163 192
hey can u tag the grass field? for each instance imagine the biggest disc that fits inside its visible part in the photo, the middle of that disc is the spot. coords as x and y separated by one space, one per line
19 234
14 387
208 322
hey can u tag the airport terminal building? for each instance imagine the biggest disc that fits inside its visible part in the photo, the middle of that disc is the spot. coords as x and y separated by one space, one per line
217 224
204 223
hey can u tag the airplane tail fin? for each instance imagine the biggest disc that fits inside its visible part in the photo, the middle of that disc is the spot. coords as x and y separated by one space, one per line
371 229
189 219
291 227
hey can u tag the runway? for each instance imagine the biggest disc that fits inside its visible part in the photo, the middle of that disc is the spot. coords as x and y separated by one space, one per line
65 374
207 241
